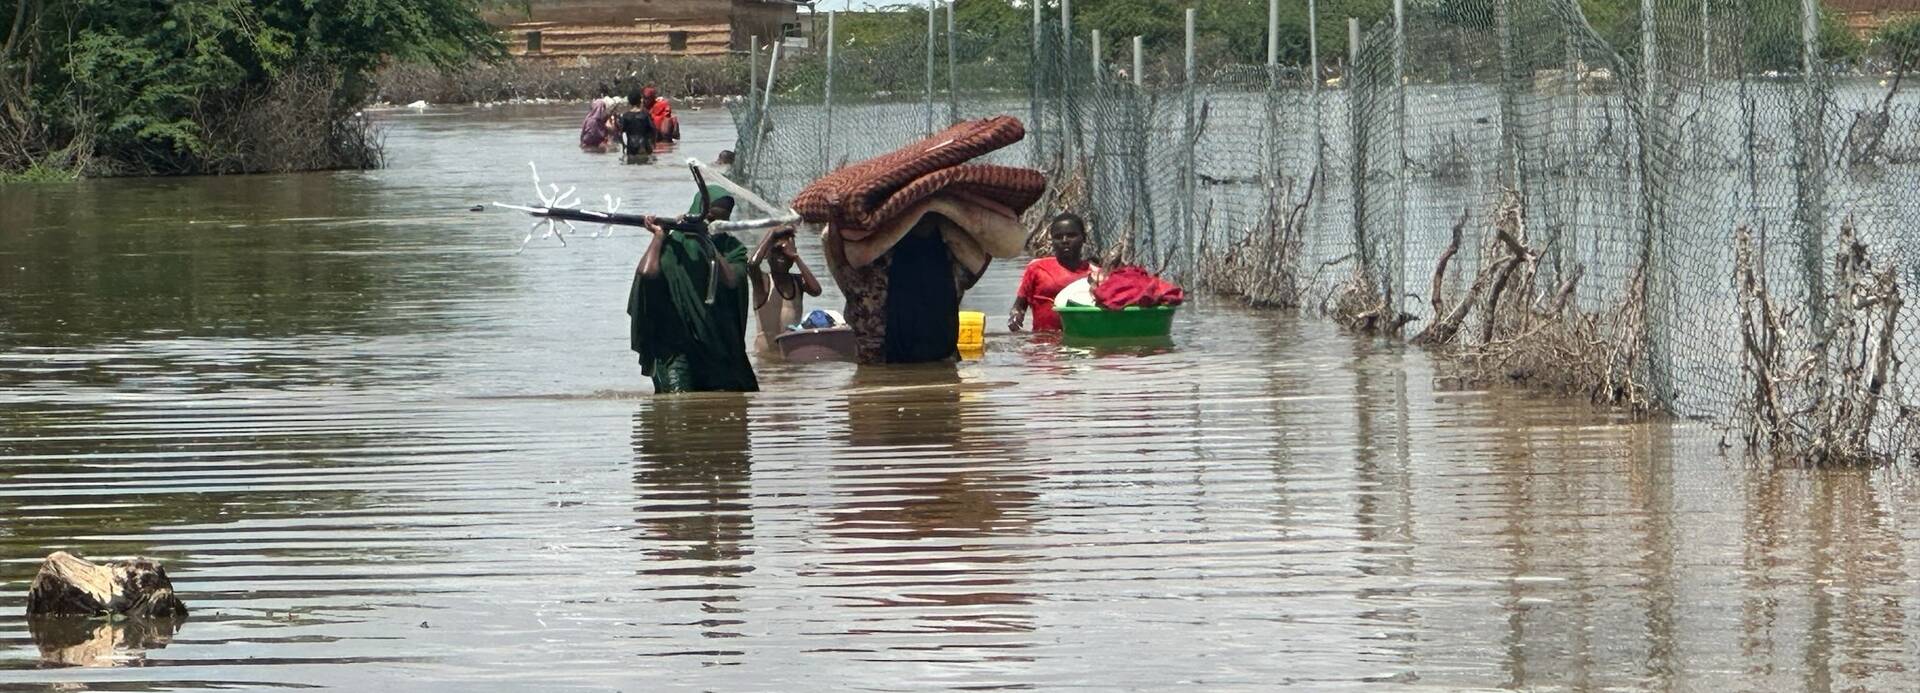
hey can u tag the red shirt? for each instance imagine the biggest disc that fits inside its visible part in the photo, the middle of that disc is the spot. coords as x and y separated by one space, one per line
1043 280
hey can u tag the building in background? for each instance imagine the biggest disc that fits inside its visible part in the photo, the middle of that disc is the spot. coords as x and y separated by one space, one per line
585 28
1864 17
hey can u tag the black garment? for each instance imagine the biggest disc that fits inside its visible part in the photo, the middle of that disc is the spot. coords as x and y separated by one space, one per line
923 306
637 134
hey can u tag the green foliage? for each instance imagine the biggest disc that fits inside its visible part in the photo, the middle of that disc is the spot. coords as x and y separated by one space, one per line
1899 43
38 173
1774 41
144 79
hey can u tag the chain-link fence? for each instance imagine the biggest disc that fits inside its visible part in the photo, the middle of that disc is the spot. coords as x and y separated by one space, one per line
1608 149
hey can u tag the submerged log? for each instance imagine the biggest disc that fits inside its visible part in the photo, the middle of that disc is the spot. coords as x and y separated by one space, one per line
72 586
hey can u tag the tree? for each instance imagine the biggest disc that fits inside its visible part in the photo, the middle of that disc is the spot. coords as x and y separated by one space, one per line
150 86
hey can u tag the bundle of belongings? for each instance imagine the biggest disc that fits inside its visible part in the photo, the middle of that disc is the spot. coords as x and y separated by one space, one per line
1121 287
908 233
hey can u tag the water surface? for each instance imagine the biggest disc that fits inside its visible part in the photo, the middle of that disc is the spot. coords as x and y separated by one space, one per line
379 450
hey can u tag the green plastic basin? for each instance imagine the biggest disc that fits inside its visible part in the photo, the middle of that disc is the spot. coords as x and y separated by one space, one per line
1133 322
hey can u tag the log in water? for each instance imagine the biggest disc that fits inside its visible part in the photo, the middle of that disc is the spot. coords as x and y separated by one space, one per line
68 585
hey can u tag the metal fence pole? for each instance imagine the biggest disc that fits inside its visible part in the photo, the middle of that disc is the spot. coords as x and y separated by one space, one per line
1139 66
1357 103
1269 138
744 159
1143 193
826 140
1097 165
1069 114
1314 78
931 11
1509 146
1188 145
1035 126
1399 268
1099 61
1651 188
1273 33
1706 43
1813 203
953 83
766 106
1066 28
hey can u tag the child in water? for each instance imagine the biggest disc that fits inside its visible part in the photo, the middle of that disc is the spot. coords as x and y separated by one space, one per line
782 257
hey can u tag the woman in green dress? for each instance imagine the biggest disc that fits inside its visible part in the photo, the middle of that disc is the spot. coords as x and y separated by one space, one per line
686 342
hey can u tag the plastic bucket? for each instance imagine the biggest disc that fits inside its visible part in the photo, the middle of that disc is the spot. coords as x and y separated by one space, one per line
973 330
1133 322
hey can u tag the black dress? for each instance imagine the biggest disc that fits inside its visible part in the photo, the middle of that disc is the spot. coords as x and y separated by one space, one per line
923 305
637 136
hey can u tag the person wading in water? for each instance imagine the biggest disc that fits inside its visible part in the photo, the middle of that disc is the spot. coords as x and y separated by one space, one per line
1046 276
637 133
689 311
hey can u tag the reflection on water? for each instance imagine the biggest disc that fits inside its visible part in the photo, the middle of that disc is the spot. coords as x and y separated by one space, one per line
378 450
692 472
89 642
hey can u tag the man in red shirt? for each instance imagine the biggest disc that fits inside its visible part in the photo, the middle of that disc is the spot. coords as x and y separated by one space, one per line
1045 277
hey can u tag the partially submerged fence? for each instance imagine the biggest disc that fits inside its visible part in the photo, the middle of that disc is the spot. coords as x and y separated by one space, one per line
1530 184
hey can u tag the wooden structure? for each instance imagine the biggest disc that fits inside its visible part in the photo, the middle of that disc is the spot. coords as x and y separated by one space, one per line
1864 17
570 29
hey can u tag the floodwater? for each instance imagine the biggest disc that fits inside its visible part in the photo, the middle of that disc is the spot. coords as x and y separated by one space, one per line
378 450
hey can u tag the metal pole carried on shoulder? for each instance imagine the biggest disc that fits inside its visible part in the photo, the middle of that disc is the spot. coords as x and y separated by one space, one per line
558 209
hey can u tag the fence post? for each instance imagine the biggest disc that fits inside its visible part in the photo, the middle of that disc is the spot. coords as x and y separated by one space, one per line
1813 187
1313 64
1706 43
1399 269
1356 115
1069 146
826 141
1097 164
953 83
1035 85
1099 61
1273 33
1139 66
766 106
1188 145
932 9
1653 271
744 158
1509 147
1269 140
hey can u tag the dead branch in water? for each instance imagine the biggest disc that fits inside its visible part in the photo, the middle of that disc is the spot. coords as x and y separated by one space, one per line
1838 401
1535 337
1263 266
1437 296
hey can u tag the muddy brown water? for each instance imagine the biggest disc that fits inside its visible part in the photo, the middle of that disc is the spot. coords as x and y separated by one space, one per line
380 451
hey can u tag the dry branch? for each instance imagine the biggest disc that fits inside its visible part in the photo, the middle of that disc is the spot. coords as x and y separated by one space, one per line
1828 403
1538 338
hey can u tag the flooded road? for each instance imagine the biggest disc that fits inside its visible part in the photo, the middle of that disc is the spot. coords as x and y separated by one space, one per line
378 450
